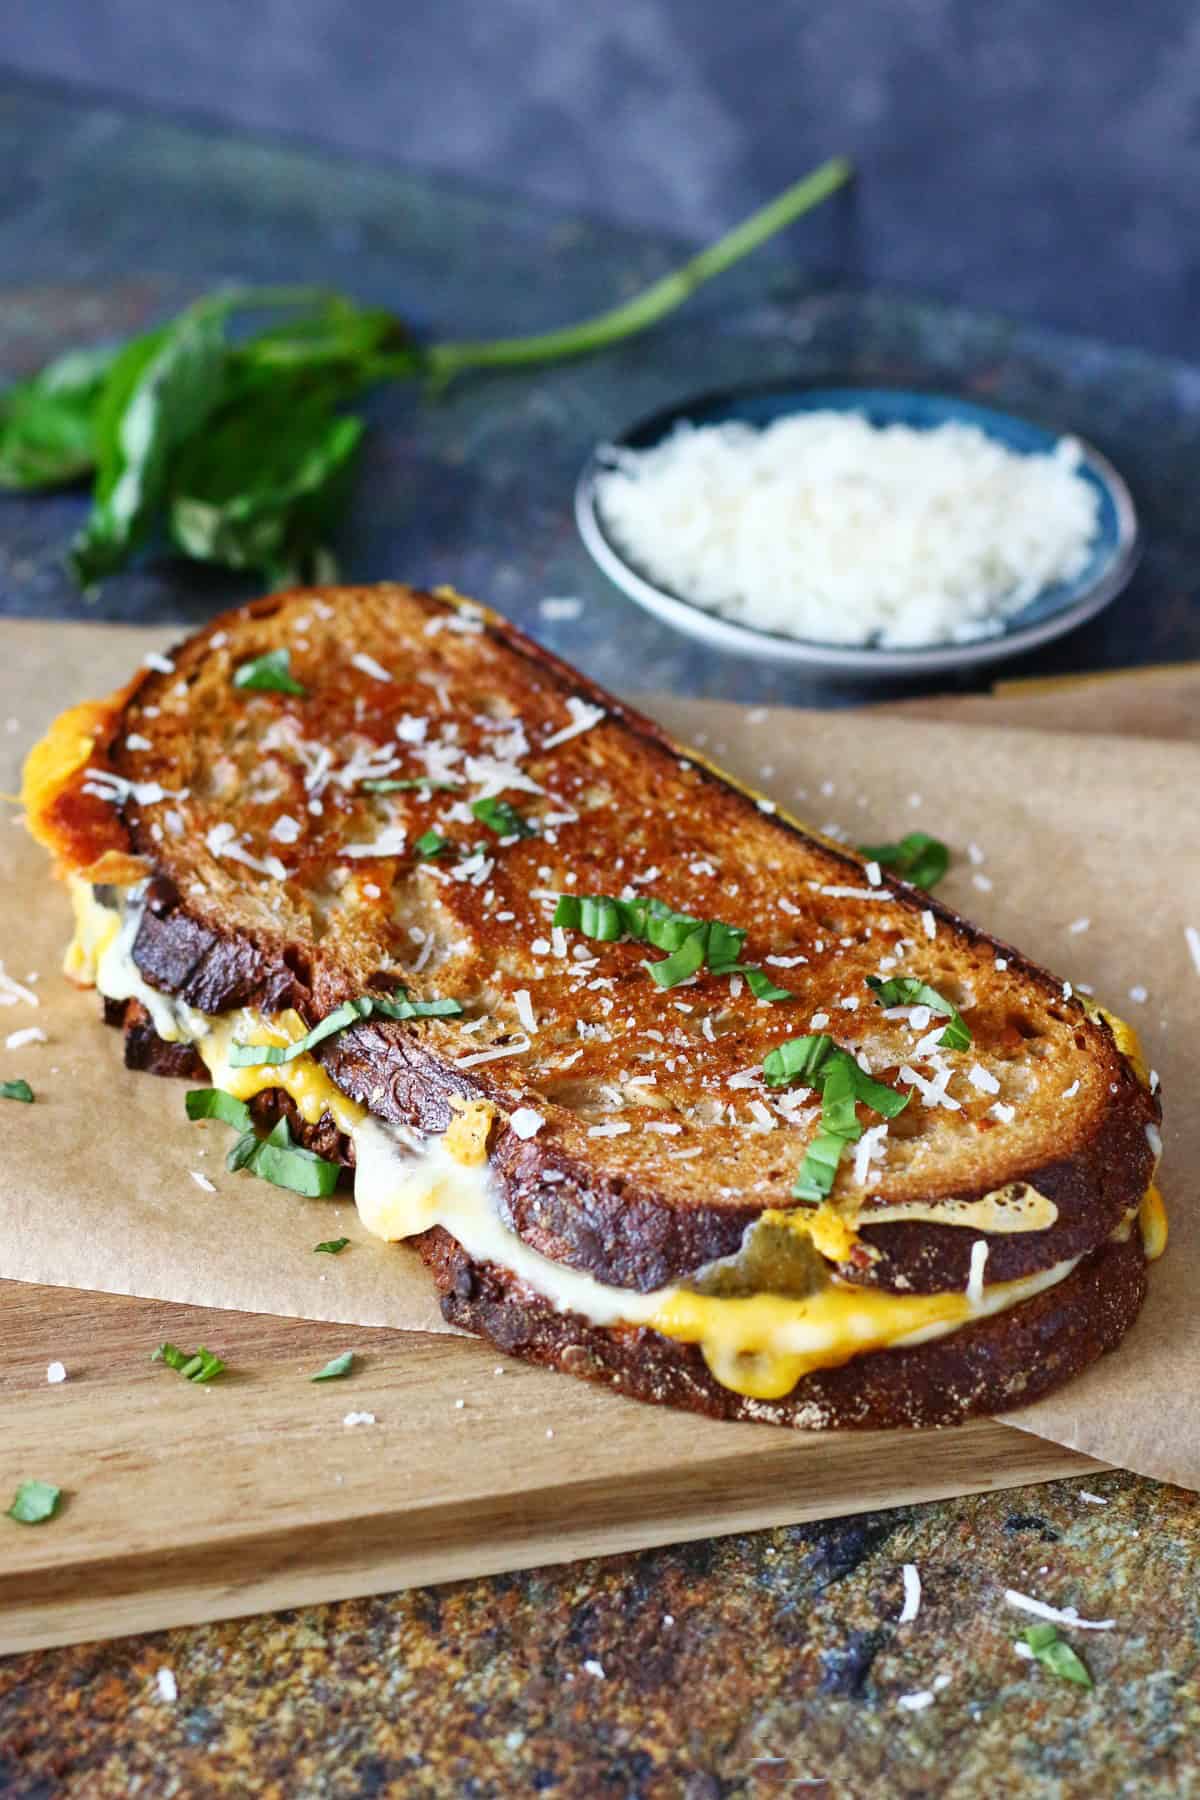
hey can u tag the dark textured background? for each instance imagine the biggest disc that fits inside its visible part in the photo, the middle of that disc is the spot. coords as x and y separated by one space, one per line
1040 159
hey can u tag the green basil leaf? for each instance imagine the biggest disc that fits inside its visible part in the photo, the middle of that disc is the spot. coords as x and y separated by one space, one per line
336 1368
906 990
269 674
242 1153
286 1165
818 1171
258 489
502 818
34 1502
159 392
16 1090
430 843
1057 1655
682 963
338 337
215 1103
918 858
331 1247
819 1063
194 1365
799 1059
757 980
348 1013
48 424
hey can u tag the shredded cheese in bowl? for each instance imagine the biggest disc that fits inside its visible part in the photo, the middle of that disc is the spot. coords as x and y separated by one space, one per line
824 526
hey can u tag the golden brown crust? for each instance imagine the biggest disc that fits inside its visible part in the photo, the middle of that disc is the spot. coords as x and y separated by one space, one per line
1004 1361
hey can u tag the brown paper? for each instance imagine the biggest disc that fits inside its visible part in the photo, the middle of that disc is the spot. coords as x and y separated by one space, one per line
97 1190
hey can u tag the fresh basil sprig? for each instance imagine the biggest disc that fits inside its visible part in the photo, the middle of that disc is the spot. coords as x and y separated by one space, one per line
906 990
238 447
269 673
691 944
17 1090
820 1063
502 818
194 1365
1057 1654
349 1013
34 1502
47 425
918 858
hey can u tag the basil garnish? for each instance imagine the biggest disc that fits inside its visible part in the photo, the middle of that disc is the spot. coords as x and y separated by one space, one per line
918 858
215 1103
331 1247
16 1090
905 990
349 1013
430 843
818 1061
285 1164
336 1368
1057 1654
269 674
34 1502
196 1365
502 818
691 944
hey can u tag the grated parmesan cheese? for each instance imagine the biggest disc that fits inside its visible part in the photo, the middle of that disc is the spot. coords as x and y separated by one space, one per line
825 526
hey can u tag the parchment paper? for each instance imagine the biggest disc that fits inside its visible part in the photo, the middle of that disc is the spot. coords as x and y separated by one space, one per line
95 1182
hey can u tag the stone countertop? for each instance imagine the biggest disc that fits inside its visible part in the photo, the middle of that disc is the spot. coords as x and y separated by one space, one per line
743 1666
782 1666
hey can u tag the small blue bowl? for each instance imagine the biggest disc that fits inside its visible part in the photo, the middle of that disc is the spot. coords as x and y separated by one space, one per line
1056 610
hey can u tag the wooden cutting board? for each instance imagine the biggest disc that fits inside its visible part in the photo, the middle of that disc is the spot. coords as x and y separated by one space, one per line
186 1503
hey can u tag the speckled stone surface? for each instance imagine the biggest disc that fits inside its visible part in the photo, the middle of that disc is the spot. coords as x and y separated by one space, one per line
747 1666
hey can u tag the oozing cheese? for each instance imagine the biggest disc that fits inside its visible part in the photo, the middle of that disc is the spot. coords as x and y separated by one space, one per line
758 1345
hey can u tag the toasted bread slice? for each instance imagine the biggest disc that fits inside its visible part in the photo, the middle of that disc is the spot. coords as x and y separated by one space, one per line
283 841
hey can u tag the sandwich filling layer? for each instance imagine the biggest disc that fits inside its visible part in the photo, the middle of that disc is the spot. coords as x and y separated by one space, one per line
758 1344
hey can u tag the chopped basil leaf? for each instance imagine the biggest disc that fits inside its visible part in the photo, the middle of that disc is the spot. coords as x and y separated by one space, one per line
16 1090
243 1056
334 1370
389 786
242 1151
430 843
819 1062
286 1165
758 981
269 674
918 858
331 1247
34 1502
691 944
195 1365
1057 1654
215 1103
905 990
502 818
681 963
